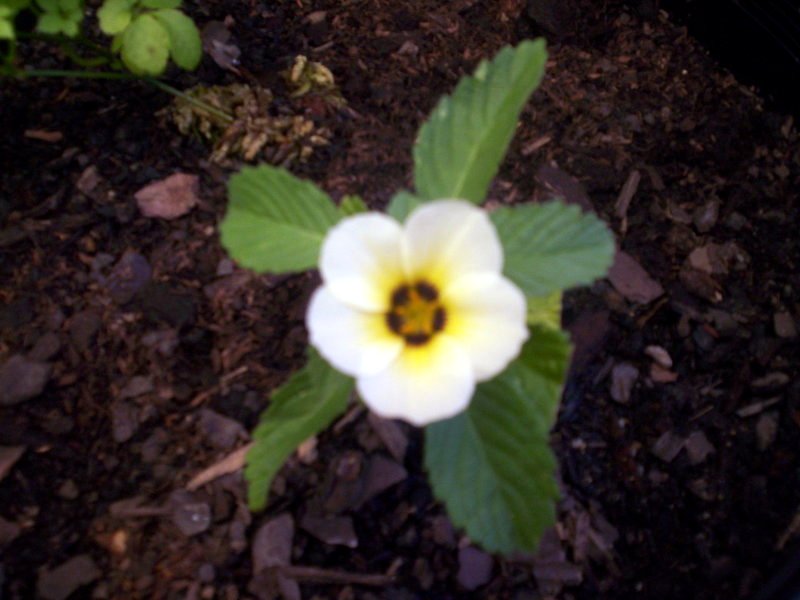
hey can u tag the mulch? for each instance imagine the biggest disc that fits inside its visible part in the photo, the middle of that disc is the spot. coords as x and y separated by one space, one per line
134 354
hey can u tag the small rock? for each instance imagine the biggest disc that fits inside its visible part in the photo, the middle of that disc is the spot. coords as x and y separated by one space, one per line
667 447
169 198
46 347
784 325
700 284
128 276
661 375
705 217
766 429
770 383
272 543
623 378
152 448
221 432
137 386
335 531
9 455
392 435
698 447
189 515
82 328
65 579
8 533
660 355
225 267
443 532
474 568
124 420
68 490
381 474
22 379
632 281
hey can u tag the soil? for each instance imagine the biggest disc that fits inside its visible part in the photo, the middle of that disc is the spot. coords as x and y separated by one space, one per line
134 355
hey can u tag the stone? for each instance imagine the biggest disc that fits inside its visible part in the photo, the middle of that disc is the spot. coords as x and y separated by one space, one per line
22 379
61 582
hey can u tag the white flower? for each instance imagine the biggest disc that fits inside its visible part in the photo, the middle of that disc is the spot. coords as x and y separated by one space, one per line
417 313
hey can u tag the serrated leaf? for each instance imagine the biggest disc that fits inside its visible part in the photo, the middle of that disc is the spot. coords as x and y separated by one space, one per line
275 222
352 205
160 3
492 465
145 46
402 204
185 46
545 310
115 15
552 246
459 150
302 407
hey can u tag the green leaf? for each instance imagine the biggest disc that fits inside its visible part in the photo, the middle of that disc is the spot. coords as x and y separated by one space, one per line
145 46
51 23
552 246
459 149
71 6
545 310
14 6
302 407
402 204
6 30
50 6
115 15
492 465
352 205
185 46
160 3
275 221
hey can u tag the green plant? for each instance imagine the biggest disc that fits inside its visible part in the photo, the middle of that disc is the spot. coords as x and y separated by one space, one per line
438 312
145 35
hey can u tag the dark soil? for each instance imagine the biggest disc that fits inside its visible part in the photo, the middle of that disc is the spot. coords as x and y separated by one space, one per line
679 481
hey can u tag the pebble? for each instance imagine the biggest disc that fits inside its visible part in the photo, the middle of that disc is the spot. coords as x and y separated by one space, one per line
137 386
667 447
128 276
474 568
335 531
631 280
189 515
770 383
623 378
272 543
169 198
68 490
124 420
705 217
46 347
61 582
698 447
220 431
766 429
22 379
660 355
9 455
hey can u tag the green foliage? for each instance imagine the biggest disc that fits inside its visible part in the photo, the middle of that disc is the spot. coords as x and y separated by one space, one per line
115 16
275 222
492 465
460 147
545 310
552 246
145 46
7 23
402 204
185 46
352 205
305 405
60 17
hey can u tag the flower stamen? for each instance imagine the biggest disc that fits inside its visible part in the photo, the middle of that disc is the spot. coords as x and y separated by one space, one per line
415 313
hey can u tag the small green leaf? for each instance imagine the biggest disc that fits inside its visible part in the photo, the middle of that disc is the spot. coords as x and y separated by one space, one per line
459 149
545 310
145 46
275 222
50 6
115 15
160 3
15 6
6 30
185 46
402 204
51 23
302 407
71 6
352 205
492 465
552 246
116 43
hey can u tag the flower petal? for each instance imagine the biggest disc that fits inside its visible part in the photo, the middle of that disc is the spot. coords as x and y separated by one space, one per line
356 343
361 262
486 316
448 238
423 385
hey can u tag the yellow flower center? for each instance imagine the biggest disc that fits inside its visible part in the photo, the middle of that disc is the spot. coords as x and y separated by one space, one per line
416 313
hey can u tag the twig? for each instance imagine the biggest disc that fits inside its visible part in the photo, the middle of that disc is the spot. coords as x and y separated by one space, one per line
318 575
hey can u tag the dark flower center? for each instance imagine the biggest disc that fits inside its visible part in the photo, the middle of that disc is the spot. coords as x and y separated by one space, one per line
416 313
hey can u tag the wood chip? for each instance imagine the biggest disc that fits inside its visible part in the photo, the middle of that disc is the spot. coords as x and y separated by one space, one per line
230 464
632 281
9 455
169 198
51 137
